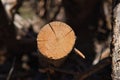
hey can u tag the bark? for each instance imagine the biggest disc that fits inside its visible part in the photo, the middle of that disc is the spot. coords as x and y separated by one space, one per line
116 43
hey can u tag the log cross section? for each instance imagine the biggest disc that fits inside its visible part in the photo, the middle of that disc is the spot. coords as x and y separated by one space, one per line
55 40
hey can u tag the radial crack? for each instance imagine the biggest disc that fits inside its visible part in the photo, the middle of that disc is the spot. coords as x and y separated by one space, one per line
52 29
68 32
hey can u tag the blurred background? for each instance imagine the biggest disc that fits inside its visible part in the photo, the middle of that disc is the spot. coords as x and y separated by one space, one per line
20 22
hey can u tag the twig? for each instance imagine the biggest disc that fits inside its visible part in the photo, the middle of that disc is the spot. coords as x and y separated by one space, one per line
11 70
58 70
79 53
107 12
19 74
64 71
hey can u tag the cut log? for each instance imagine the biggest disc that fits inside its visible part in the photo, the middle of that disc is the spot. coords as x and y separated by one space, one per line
56 40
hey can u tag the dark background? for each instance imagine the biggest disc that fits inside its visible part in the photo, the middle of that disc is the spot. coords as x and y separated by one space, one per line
18 46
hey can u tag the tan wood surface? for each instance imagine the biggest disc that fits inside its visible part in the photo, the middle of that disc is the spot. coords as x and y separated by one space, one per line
55 40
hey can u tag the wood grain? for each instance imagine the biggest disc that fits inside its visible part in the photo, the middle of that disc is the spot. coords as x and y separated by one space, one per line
55 40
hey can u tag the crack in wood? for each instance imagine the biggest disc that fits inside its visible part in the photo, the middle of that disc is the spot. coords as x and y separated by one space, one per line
52 29
68 32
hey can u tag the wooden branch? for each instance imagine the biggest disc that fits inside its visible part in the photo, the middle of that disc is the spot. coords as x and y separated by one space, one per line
19 74
84 75
107 7
95 68
58 70
79 76
105 53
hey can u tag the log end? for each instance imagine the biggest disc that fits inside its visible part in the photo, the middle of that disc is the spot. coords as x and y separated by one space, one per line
56 40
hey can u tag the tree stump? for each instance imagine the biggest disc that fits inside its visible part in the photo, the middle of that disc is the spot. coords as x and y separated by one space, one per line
56 40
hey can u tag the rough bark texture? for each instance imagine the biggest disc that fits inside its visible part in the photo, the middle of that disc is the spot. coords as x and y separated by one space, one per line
116 44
